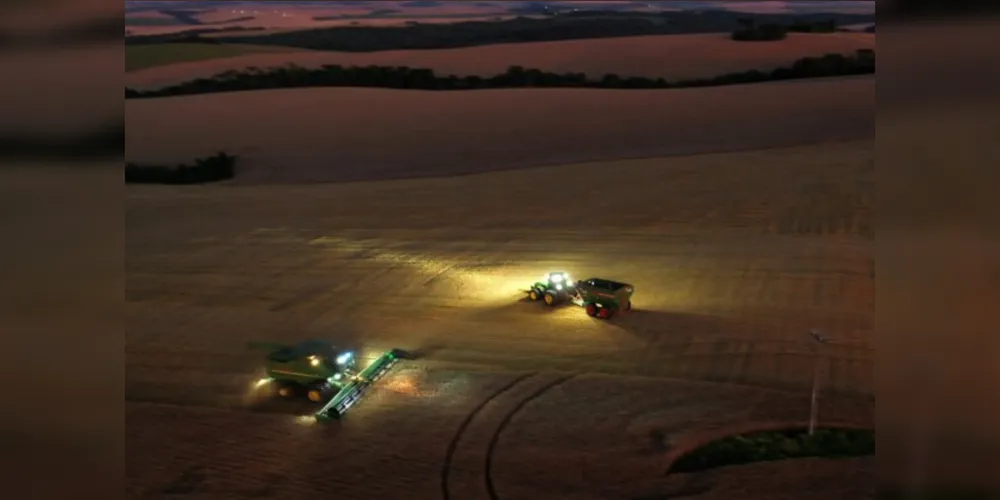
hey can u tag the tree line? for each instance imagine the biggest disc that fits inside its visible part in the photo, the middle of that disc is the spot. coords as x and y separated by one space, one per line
218 167
401 77
751 31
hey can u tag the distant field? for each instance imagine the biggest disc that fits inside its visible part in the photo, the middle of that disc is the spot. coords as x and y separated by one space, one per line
348 133
667 56
139 57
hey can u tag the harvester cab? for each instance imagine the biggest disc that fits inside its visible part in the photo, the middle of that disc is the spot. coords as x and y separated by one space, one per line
322 373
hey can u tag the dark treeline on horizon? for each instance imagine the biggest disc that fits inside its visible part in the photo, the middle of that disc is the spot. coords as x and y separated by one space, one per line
401 77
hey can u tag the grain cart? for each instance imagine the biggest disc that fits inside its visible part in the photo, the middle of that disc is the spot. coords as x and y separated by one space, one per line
600 297
322 373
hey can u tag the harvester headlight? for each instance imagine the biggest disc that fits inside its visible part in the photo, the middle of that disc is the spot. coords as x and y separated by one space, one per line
344 358
314 360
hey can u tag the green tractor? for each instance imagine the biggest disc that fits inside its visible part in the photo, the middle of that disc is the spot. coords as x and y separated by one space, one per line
322 373
601 298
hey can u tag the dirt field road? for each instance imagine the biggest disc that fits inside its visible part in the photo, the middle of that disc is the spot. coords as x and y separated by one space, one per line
734 258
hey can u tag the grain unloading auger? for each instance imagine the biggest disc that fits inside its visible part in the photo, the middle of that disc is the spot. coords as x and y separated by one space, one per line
323 373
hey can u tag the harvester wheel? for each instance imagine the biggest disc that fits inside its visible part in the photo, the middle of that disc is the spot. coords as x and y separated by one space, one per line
550 299
533 294
591 310
317 392
315 395
286 391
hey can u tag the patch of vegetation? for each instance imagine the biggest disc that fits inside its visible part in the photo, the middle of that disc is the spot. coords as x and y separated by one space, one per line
572 26
401 77
827 26
778 445
761 33
219 167
750 31
131 38
148 56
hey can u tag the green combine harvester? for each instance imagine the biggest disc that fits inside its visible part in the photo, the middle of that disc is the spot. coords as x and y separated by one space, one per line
601 298
322 373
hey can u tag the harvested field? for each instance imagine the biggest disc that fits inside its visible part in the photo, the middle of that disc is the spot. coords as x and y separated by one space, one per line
734 257
337 134
674 57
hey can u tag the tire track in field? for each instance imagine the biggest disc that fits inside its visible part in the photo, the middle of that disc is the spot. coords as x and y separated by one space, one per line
453 445
488 465
477 436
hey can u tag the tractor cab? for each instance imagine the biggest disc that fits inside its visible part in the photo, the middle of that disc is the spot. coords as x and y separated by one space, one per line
559 280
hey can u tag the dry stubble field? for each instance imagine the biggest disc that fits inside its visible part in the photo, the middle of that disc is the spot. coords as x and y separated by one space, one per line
734 257
349 134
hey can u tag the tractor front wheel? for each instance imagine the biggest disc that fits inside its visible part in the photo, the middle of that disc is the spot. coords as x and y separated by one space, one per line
533 294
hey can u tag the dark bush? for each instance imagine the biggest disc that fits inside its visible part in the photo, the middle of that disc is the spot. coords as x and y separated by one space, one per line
778 445
829 26
515 76
219 167
760 33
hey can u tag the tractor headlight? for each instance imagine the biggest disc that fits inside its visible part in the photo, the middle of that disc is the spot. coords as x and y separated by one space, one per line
344 358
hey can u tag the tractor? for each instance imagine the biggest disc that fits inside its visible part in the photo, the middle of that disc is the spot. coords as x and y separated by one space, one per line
601 298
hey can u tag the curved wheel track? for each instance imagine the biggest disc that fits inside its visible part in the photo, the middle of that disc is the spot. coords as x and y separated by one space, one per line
477 437
453 445
488 465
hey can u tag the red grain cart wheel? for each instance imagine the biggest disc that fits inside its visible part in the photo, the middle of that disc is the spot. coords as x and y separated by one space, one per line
591 310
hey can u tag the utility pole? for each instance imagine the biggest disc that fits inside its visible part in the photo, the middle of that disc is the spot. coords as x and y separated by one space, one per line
818 340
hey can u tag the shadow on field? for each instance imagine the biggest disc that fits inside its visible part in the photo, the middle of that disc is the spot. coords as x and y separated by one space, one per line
278 405
663 329
523 305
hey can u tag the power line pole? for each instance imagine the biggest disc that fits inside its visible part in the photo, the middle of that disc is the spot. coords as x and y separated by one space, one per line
818 340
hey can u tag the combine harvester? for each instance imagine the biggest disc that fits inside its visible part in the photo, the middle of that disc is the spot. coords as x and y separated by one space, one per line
322 373
601 298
